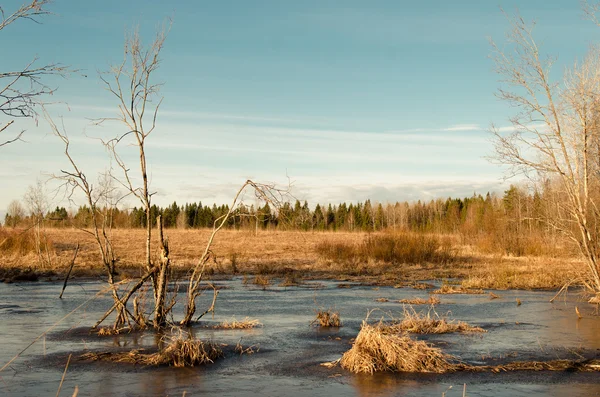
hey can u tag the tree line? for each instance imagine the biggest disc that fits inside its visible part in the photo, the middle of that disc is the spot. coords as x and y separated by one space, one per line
517 210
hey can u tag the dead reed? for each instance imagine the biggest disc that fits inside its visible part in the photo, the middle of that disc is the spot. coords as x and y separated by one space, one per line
379 348
327 318
431 323
433 300
246 323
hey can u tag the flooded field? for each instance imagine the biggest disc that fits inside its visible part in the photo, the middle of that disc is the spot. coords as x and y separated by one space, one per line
289 350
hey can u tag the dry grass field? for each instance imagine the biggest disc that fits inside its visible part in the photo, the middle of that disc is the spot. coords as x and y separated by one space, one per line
340 255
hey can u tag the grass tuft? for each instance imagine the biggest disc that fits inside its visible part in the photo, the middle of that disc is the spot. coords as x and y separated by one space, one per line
448 289
428 323
246 323
379 348
327 318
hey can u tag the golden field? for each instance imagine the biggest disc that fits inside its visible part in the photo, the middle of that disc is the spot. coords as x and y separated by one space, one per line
278 253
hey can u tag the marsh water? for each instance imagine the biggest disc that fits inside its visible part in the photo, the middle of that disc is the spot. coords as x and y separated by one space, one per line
289 349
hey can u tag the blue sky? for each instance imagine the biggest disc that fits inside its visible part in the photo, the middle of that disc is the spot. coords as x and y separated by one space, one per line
387 100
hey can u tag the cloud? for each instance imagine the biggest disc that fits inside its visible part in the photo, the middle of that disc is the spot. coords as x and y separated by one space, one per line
463 127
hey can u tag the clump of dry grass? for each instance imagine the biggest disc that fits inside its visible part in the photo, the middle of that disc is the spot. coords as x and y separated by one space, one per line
382 300
327 318
22 242
107 331
180 351
422 286
448 289
246 323
433 300
428 323
184 351
262 281
380 348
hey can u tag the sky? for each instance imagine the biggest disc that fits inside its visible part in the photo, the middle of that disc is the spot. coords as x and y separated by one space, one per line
347 100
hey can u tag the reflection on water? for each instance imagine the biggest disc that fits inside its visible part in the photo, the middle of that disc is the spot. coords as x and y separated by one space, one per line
290 350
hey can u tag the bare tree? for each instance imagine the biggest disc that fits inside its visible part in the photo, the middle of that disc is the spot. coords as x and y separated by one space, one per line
14 213
265 193
22 91
554 134
36 199
132 83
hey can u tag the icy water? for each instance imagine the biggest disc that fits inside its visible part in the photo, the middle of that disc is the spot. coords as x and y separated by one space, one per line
289 349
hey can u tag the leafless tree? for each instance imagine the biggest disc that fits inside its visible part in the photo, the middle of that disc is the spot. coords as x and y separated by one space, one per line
132 84
23 90
554 134
14 213
75 181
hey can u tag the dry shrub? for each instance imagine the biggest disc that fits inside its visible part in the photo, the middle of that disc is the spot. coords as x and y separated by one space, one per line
410 248
421 323
433 300
246 323
448 289
380 348
327 318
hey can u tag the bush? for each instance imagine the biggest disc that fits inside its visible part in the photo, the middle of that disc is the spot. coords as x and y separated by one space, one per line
390 248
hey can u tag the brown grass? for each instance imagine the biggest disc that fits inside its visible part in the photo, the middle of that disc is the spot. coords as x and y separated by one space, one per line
180 351
409 248
327 318
448 289
246 323
433 300
379 348
279 252
21 242
428 323
523 273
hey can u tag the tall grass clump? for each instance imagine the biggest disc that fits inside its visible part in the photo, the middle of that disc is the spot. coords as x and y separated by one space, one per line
19 242
411 248
379 347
